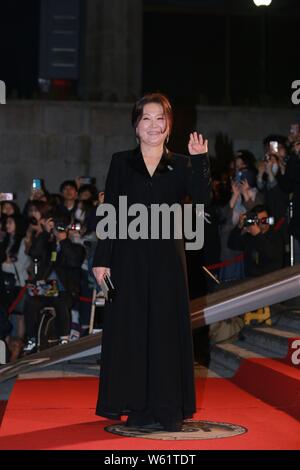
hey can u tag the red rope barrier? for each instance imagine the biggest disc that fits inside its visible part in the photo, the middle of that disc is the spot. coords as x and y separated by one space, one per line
85 300
279 224
17 300
228 262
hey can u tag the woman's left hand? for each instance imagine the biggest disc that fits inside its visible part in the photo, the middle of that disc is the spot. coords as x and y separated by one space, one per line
197 145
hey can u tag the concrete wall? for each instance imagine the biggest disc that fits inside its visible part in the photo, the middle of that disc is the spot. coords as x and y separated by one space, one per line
246 127
58 141
113 50
61 140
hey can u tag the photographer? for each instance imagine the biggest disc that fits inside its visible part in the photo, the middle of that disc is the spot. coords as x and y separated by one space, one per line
262 245
269 172
57 261
244 196
289 182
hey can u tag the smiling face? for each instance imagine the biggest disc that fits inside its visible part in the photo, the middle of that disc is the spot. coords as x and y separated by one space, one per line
153 127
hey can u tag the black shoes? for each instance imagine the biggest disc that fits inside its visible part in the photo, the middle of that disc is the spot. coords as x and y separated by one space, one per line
141 419
175 426
145 421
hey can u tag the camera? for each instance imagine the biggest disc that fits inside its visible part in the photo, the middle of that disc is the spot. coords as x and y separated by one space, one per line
61 227
76 227
252 219
33 221
64 227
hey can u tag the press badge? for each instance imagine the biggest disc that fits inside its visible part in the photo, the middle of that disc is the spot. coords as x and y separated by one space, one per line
53 257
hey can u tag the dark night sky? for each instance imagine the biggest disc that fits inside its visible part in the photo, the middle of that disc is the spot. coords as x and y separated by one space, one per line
184 49
192 61
19 45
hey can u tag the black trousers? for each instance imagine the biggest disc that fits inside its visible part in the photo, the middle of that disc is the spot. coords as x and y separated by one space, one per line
62 304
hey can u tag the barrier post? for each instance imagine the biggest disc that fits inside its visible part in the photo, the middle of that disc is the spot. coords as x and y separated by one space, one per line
292 246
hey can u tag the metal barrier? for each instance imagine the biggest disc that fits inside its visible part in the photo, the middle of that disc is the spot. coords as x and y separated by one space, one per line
224 304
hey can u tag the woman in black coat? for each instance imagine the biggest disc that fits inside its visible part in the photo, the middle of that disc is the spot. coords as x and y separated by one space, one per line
147 354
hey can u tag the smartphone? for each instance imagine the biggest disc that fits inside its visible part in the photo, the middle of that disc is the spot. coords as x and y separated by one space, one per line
108 288
274 147
37 184
5 197
295 129
86 180
239 176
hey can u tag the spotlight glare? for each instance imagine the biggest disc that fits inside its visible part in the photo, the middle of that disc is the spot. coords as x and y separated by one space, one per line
262 3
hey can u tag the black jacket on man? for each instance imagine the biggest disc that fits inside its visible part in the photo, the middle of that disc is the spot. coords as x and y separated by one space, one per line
290 183
264 253
68 260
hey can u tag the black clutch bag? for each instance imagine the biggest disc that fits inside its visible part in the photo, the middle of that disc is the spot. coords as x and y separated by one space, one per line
108 288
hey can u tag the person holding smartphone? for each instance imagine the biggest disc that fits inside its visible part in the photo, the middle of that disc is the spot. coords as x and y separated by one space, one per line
147 354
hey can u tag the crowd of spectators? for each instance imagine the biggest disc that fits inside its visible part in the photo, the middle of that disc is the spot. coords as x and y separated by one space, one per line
46 250
46 253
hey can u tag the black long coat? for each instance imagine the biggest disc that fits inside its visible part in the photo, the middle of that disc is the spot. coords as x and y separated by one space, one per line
147 353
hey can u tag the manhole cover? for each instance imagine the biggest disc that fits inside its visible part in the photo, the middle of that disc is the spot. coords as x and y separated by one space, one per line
191 430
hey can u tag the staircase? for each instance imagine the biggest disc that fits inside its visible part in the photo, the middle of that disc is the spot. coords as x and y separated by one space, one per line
259 361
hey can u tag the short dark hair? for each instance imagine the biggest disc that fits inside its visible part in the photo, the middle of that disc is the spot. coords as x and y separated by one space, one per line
12 204
90 188
68 183
281 139
259 208
158 98
247 157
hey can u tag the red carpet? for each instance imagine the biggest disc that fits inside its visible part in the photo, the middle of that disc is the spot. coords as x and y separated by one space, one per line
2 410
59 414
273 381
